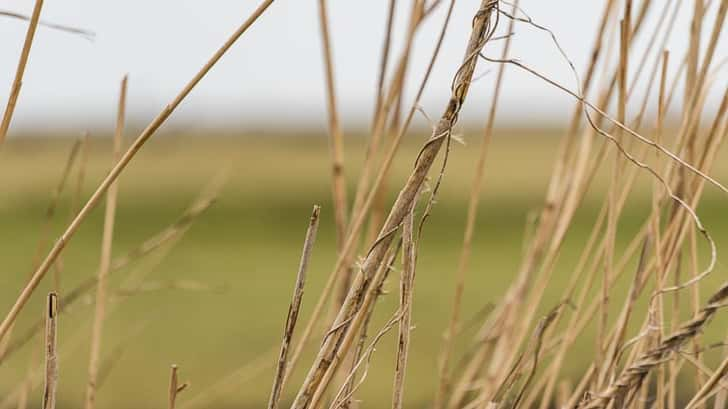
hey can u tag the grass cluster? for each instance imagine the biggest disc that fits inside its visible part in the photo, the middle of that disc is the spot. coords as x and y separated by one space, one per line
601 294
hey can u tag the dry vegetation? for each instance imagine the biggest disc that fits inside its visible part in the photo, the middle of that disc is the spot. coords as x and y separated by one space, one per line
645 354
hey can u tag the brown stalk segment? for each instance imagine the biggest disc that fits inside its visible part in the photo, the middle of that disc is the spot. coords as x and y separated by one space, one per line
406 289
613 213
118 168
103 272
294 308
174 386
18 80
709 385
692 62
348 321
51 354
338 183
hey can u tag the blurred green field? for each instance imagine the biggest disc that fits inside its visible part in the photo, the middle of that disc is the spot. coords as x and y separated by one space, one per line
249 243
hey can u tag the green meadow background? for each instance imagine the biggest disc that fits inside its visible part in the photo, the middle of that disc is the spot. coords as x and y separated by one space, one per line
244 251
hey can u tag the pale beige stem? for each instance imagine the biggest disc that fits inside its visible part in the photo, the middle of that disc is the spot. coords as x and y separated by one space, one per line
294 308
103 272
20 71
51 354
338 182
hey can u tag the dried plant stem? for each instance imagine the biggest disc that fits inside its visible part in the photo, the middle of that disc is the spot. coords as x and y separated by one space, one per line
104 265
659 317
709 385
118 168
294 308
338 181
613 215
384 62
693 60
406 289
51 354
174 387
472 213
18 80
378 209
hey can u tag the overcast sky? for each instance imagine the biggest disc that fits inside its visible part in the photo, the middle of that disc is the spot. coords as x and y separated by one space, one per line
273 76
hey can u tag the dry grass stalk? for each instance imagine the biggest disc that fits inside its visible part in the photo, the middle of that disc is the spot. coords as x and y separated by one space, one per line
294 308
105 263
709 385
379 207
51 355
338 181
20 71
613 214
349 319
406 289
692 152
472 213
174 386
119 167
658 316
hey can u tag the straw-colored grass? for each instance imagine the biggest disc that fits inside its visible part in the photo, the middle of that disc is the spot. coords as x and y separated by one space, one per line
632 292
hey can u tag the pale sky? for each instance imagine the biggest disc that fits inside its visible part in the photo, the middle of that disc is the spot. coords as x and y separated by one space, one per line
273 76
